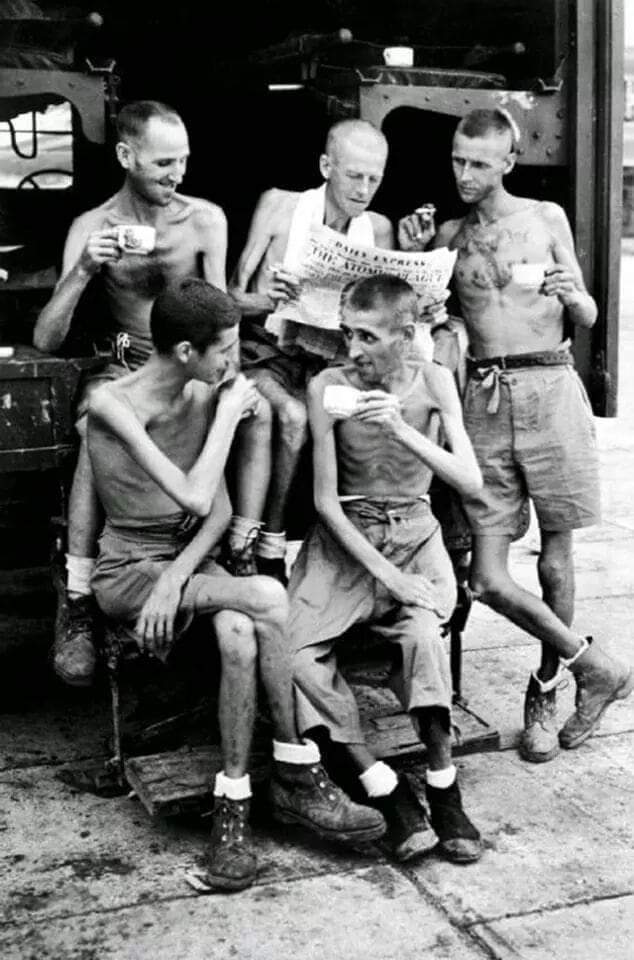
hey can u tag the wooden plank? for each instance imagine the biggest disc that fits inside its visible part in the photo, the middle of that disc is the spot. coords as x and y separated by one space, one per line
179 781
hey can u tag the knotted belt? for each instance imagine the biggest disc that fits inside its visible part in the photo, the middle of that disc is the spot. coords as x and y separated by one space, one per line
489 369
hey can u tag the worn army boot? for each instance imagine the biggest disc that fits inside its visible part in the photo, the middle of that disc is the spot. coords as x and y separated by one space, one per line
459 840
230 862
600 680
539 741
305 794
74 655
409 832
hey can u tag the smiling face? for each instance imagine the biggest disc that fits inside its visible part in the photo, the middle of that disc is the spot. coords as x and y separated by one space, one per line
353 169
156 161
480 163
219 363
376 345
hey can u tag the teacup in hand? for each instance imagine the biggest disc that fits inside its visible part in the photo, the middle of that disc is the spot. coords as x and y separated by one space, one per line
136 238
340 401
529 274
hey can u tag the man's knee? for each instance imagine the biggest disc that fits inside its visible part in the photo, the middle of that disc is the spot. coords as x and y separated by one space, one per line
554 572
263 415
293 423
269 599
81 426
236 638
488 586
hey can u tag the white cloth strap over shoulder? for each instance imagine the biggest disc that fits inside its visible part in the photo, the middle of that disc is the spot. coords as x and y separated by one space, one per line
308 215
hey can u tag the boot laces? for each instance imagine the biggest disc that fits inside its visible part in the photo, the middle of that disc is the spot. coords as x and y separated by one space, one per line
232 820
324 783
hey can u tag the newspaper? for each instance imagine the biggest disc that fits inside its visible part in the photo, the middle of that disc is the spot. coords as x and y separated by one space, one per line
330 262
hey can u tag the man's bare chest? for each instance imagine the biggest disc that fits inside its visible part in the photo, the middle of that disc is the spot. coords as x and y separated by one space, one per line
487 253
177 254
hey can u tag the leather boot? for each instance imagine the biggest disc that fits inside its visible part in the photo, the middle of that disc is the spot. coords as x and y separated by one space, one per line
74 655
230 862
305 794
460 841
539 741
600 680
409 832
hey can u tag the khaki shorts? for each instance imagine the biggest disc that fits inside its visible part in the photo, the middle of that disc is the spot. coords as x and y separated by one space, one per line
330 591
131 561
538 444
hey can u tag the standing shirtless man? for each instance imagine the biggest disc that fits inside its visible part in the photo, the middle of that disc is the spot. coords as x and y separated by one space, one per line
376 556
191 240
158 440
352 167
529 420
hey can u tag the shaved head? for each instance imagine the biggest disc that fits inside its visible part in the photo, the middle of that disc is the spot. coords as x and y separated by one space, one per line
483 123
353 132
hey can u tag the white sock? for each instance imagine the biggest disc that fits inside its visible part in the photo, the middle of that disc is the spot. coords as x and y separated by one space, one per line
235 788
441 779
243 532
271 546
79 574
378 780
306 752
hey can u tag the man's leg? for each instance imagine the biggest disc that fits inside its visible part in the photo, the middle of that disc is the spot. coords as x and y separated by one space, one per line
540 740
290 429
600 678
301 791
230 860
74 655
459 840
251 466
422 681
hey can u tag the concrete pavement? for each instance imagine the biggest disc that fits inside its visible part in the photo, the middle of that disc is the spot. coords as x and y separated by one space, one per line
92 879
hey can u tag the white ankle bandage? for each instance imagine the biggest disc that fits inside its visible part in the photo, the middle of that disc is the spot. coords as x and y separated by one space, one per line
378 780
585 643
306 752
271 546
235 788
79 572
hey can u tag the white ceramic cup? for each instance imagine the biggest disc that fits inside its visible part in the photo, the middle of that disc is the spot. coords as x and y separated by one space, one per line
399 56
340 401
529 274
136 238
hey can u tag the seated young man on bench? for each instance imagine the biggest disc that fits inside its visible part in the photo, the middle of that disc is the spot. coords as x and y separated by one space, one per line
158 442
376 556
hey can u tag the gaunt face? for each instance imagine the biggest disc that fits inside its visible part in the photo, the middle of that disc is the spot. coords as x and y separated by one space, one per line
156 162
480 163
376 346
220 362
353 170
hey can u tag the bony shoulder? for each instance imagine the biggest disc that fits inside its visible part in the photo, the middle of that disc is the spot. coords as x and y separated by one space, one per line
438 378
551 210
100 399
327 377
204 212
277 199
447 231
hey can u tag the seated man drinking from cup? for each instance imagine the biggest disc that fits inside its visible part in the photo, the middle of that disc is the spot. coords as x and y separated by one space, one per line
159 440
376 555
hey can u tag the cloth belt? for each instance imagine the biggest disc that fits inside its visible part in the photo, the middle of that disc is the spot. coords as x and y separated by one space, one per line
489 369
